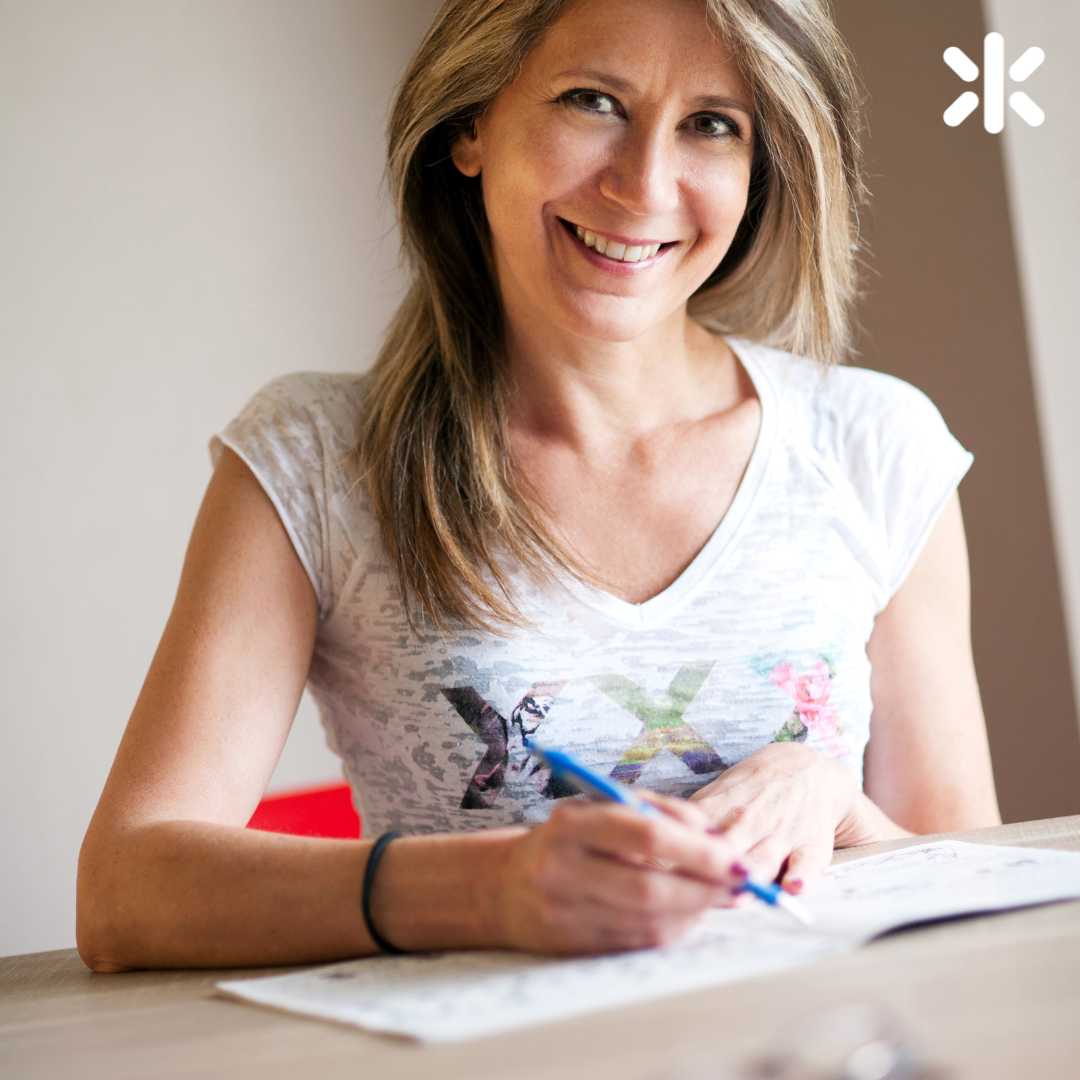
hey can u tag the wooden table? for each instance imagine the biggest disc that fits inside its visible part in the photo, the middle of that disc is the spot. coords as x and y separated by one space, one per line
996 996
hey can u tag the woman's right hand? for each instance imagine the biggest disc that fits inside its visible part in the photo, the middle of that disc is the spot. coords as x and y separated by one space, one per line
598 877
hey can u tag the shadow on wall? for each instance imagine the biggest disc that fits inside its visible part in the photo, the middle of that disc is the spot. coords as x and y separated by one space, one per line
944 310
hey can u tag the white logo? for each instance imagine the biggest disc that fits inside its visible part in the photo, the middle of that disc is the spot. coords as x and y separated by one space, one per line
994 85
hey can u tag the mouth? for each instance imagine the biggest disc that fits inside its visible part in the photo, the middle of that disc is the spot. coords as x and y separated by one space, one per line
606 261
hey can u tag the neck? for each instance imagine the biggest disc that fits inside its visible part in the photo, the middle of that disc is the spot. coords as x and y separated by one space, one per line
593 397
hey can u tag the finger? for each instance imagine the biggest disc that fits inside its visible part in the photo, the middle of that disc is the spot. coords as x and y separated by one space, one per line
620 830
765 858
741 900
727 901
639 860
641 890
806 865
726 816
742 828
692 816
737 900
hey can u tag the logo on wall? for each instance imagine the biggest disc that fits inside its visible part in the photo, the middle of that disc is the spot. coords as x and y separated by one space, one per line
993 71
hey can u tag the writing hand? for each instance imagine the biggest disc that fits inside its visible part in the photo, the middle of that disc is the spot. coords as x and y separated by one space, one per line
601 877
783 805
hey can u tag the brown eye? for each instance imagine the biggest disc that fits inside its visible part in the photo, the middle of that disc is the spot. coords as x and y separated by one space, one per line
727 126
581 97
573 97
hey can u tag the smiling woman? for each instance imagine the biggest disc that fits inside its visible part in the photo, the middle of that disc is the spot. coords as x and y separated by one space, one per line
725 131
609 481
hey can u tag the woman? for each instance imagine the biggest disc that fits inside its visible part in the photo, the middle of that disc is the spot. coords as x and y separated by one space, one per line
607 483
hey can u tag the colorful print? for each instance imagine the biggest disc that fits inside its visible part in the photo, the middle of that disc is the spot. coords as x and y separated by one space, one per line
504 742
663 726
814 714
506 762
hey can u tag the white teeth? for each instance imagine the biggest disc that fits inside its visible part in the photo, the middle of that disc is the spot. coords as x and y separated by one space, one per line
614 250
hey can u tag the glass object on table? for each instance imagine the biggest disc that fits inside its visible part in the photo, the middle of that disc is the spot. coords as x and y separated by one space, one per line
848 1042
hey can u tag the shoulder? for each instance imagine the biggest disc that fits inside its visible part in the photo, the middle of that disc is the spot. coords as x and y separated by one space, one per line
329 401
868 398
882 446
840 410
314 416
303 426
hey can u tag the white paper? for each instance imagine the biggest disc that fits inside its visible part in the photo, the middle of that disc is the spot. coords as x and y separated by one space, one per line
442 997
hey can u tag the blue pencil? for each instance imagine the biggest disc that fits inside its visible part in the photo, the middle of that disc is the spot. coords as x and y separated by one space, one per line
566 768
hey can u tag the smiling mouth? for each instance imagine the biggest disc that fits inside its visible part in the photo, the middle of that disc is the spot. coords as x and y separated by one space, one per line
571 228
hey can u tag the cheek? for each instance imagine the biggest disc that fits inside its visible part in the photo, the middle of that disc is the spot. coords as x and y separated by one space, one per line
533 175
722 203
520 178
555 163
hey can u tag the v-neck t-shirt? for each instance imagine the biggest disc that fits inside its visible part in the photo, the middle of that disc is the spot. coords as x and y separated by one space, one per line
761 638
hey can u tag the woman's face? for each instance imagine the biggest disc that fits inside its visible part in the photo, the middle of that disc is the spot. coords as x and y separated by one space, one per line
606 127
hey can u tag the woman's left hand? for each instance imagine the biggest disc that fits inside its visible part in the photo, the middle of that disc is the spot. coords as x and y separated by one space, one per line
784 806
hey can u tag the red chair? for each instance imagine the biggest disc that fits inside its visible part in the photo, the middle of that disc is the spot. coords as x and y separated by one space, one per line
321 811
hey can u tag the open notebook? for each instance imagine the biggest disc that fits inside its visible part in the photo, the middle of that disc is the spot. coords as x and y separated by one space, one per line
437 997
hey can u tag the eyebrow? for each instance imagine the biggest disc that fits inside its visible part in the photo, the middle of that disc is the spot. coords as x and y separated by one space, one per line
705 101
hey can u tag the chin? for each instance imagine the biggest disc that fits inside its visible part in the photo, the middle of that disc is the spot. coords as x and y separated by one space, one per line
618 323
613 330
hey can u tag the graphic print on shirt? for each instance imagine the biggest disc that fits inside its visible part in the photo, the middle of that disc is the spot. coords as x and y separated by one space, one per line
663 726
810 690
504 742
507 767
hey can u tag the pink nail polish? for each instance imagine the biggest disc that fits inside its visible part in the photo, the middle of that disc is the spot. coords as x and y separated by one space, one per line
739 871
794 885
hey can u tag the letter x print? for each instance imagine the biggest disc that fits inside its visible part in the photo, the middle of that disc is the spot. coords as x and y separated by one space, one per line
663 726
502 739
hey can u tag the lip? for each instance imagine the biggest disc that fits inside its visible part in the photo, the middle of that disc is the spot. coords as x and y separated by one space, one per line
629 241
612 266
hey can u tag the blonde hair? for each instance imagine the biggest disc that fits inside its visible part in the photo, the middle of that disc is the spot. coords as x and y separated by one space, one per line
434 450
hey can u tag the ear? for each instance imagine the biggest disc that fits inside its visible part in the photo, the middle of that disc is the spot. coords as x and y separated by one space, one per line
466 152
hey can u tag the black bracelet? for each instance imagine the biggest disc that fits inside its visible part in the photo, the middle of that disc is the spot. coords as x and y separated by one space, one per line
377 850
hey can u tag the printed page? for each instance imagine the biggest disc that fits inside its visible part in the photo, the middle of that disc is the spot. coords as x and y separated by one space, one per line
867 897
450 996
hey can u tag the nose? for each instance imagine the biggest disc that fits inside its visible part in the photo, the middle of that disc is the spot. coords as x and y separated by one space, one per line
643 174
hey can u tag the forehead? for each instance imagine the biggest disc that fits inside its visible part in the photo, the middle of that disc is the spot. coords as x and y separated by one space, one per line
648 42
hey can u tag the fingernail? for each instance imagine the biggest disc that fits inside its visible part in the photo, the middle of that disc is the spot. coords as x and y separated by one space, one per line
739 871
793 884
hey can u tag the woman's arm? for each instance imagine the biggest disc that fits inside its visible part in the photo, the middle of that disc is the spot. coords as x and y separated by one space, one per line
198 894
169 877
927 766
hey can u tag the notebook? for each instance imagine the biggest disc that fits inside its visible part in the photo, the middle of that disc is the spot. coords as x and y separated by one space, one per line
450 996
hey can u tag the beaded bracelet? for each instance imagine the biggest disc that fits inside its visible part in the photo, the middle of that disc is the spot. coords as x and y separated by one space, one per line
365 902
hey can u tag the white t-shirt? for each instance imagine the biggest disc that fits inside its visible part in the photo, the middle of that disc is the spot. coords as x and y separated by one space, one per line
762 637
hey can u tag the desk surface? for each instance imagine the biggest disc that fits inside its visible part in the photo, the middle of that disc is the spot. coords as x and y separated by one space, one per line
997 996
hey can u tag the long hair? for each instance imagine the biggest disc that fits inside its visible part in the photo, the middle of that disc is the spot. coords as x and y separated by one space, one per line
434 450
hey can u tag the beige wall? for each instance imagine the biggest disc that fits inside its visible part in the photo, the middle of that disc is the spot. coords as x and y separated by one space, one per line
1042 166
946 312
188 207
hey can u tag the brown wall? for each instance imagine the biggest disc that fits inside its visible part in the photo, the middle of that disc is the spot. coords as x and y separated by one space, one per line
944 312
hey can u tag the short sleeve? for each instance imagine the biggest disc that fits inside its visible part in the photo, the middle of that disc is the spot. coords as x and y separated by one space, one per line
278 437
906 463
